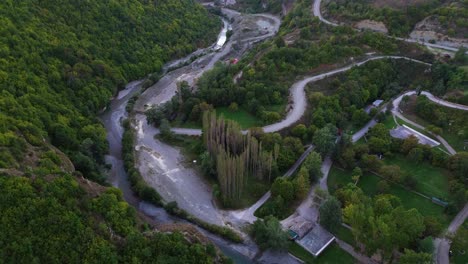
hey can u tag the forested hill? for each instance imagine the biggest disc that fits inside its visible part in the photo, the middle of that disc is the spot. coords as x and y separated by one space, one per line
61 61
62 220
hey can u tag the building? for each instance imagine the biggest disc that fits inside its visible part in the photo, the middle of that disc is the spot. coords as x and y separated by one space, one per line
301 228
316 240
377 103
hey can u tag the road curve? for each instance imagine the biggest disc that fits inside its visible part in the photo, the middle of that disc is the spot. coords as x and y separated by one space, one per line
442 245
397 112
299 98
440 101
318 13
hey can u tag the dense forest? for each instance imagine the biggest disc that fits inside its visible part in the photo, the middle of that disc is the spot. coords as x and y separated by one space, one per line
61 62
342 101
399 21
259 6
454 19
59 219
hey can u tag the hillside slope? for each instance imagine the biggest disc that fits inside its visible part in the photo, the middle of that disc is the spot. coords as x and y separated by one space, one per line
60 219
61 61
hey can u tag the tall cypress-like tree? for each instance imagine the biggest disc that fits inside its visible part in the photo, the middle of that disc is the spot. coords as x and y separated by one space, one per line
237 156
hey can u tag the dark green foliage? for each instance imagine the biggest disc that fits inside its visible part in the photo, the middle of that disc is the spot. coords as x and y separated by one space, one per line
268 233
330 214
260 6
225 232
165 129
138 185
381 223
426 245
53 220
284 188
287 192
324 139
452 122
410 257
454 19
356 89
399 22
61 62
433 226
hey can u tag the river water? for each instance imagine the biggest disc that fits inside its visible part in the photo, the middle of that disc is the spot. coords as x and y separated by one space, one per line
112 119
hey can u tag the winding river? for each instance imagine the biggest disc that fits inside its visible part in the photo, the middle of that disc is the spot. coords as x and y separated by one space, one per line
114 115
162 165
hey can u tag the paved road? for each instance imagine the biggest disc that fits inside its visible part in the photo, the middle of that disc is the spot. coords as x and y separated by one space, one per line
248 214
318 13
458 220
443 102
348 248
299 98
442 245
358 135
396 112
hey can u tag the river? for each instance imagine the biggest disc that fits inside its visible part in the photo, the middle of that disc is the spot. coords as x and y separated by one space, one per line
114 115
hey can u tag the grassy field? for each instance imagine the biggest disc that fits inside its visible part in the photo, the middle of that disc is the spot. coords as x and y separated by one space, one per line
253 191
279 108
188 124
333 254
432 181
450 136
345 235
368 183
241 116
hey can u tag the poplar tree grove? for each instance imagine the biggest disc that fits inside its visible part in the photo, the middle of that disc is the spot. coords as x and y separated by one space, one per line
237 156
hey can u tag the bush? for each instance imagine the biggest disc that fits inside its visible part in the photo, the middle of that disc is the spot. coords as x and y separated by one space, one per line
383 187
268 233
433 226
416 155
225 232
426 245
138 185
410 181
391 172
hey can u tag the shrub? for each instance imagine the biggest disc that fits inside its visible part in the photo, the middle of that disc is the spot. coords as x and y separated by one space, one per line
383 187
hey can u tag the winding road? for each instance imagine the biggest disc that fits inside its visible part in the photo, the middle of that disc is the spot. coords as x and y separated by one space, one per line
299 98
398 113
442 245
318 13
163 166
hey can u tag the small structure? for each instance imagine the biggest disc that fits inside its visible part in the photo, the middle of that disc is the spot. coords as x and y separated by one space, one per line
317 240
292 235
377 103
439 201
301 227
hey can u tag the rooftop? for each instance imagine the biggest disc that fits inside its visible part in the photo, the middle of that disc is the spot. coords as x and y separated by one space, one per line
316 240
376 103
